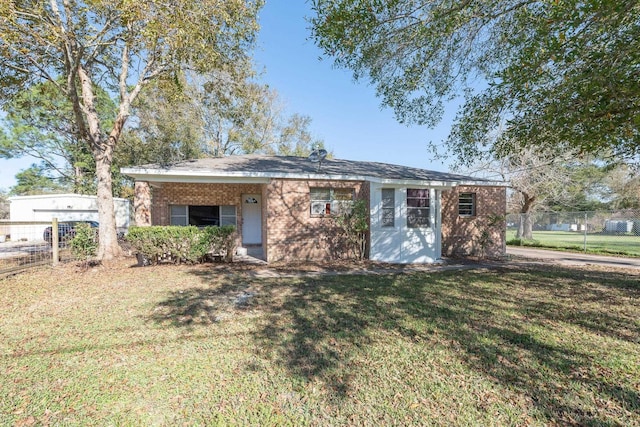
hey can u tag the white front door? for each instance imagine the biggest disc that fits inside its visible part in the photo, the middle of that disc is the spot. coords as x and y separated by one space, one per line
420 245
251 219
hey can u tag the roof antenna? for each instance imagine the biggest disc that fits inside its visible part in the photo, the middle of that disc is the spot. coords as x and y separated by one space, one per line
317 156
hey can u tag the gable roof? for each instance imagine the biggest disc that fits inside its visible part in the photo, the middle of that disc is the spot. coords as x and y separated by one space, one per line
261 168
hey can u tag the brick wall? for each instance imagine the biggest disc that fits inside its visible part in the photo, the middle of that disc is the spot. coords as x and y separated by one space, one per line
170 193
292 232
460 234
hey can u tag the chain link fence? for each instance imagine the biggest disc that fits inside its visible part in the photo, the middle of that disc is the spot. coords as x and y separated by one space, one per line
28 244
608 232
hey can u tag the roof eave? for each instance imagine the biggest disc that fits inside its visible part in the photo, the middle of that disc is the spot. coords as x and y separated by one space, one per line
162 175
472 183
199 176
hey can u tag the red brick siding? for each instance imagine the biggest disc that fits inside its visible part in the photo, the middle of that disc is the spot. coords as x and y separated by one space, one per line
460 234
170 193
292 232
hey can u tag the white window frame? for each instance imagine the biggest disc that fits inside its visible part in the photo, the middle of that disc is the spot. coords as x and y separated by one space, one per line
228 218
333 205
419 209
225 218
388 206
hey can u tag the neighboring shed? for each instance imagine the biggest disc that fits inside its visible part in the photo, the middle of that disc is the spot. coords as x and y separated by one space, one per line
65 207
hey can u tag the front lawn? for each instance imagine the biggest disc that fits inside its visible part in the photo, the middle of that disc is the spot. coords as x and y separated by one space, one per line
183 345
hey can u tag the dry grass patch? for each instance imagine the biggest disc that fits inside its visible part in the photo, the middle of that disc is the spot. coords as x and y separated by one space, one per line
202 345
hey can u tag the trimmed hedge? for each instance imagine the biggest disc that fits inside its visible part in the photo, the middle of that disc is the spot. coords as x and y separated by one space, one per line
179 244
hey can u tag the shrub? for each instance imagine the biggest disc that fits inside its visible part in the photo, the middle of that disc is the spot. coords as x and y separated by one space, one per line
354 225
84 244
489 226
178 244
524 242
221 240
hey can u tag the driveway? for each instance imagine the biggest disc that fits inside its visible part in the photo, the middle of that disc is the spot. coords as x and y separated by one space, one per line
573 258
18 249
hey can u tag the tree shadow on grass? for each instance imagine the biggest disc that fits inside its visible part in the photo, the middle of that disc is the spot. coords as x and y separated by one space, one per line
495 322
202 305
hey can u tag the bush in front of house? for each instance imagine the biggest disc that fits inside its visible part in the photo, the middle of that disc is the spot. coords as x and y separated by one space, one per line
221 241
84 244
179 244
353 224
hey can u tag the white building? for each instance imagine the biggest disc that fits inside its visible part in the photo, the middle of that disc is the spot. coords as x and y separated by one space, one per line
65 207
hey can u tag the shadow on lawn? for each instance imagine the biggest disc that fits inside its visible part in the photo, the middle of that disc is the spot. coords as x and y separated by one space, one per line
198 306
315 326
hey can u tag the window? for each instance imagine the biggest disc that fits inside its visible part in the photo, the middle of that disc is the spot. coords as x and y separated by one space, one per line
179 215
320 201
330 201
227 215
203 216
417 208
388 207
467 204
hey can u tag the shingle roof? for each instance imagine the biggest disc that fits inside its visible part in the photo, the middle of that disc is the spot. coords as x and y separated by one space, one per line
288 166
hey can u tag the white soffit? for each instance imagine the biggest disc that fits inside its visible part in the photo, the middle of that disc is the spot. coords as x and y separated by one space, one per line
166 175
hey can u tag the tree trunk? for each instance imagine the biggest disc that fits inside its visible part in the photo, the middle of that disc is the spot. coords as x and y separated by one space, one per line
525 228
107 233
520 231
102 149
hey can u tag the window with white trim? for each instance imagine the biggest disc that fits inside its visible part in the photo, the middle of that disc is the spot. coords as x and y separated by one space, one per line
330 201
202 216
418 208
388 210
179 215
467 204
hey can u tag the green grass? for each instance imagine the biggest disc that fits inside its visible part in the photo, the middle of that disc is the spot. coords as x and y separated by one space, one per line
170 345
596 243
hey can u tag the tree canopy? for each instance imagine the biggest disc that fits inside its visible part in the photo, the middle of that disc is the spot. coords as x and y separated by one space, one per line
39 123
36 179
559 75
78 45
212 115
4 205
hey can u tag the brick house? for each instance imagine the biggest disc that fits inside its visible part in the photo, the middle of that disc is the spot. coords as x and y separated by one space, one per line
284 207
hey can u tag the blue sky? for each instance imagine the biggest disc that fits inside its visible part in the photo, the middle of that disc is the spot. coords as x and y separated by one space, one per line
345 114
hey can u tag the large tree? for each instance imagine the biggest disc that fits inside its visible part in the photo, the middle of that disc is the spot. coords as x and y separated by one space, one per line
4 205
121 47
165 126
559 183
39 123
36 179
240 115
213 114
622 186
535 180
558 75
